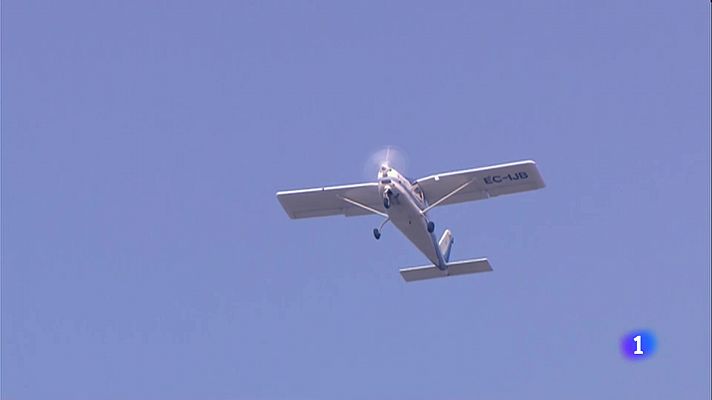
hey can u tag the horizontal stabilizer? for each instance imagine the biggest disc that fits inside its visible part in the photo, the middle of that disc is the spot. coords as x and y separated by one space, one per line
453 268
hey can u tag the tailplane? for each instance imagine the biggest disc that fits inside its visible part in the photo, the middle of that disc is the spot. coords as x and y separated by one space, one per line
445 244
453 268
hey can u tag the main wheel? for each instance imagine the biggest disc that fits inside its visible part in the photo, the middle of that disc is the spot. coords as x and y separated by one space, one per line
376 233
431 226
387 202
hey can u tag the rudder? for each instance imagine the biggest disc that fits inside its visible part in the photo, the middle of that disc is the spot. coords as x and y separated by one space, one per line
445 244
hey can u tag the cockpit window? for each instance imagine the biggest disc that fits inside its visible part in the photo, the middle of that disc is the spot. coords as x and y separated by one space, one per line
385 181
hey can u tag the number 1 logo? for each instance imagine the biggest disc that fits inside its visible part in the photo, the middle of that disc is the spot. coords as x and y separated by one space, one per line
638 345
638 350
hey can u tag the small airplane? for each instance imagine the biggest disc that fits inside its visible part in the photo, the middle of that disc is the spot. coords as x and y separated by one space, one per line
406 203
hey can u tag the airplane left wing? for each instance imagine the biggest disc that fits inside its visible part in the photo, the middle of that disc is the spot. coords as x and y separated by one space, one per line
347 200
480 183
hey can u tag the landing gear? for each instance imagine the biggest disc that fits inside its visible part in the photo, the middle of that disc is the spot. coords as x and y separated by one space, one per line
387 198
431 226
377 231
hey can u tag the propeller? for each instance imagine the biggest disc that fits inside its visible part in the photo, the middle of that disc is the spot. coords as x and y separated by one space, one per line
390 156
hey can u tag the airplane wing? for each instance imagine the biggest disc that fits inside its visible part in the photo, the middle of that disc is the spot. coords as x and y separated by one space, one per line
481 183
334 200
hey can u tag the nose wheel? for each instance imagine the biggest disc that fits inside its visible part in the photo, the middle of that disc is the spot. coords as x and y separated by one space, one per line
387 194
431 226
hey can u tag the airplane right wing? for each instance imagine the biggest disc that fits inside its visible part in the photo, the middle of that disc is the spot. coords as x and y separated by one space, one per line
334 200
481 183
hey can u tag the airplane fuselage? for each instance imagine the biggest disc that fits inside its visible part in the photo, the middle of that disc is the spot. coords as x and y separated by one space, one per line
405 205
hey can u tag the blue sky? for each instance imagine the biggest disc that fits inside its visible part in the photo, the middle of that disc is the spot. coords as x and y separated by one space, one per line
145 256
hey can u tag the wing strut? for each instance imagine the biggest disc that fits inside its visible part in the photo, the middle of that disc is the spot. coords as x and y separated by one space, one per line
365 207
447 196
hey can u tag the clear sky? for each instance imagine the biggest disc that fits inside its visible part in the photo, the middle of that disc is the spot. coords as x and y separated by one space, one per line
145 256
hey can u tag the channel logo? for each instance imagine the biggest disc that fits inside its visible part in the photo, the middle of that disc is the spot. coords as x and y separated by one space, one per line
639 344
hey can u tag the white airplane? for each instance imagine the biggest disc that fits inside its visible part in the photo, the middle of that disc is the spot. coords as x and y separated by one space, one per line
406 203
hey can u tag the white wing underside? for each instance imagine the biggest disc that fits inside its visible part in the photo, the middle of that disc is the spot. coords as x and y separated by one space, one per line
473 184
481 183
321 202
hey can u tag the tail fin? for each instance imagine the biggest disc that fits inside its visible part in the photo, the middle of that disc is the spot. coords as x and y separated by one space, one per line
445 244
